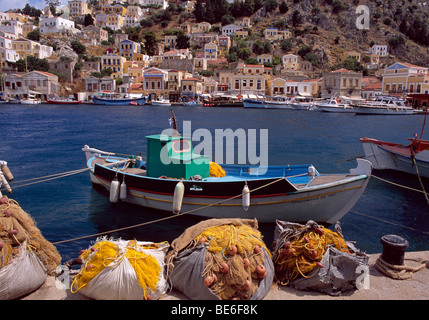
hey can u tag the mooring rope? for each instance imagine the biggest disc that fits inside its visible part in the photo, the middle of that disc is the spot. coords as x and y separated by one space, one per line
399 185
169 217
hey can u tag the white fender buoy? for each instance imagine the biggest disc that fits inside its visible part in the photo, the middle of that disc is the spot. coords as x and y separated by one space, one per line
123 191
245 198
114 191
4 183
5 170
311 171
179 191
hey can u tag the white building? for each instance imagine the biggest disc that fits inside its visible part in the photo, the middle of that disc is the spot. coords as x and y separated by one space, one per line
5 43
162 3
381 50
4 16
55 25
12 26
230 29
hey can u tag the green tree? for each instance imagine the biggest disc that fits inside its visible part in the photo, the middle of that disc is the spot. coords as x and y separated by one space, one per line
271 5
32 63
34 35
182 40
297 18
283 8
88 20
227 19
78 47
150 42
286 45
199 11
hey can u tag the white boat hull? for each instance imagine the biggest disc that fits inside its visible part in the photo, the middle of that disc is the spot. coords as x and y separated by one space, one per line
384 159
382 111
337 109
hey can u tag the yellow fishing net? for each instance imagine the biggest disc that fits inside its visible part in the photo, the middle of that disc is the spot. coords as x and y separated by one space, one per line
216 170
18 227
107 254
222 237
235 262
302 253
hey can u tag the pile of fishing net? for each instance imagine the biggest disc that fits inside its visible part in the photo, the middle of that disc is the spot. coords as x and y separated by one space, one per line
311 257
221 259
26 257
122 270
216 170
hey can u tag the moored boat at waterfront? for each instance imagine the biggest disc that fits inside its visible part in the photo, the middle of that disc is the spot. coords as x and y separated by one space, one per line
31 99
62 101
412 158
383 105
333 105
253 103
175 179
115 101
161 102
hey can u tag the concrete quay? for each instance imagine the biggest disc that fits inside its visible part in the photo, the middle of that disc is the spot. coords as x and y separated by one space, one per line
381 287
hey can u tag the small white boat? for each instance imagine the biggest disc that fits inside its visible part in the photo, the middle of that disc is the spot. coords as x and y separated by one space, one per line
383 106
30 100
334 105
161 102
302 103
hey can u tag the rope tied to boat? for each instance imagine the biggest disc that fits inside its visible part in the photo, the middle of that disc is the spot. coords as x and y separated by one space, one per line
169 217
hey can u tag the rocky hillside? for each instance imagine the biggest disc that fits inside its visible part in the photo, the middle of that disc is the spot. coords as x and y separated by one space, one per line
330 27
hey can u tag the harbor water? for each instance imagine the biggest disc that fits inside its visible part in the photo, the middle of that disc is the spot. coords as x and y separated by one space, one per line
42 140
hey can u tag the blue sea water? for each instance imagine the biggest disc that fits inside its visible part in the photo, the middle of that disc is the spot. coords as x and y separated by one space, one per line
47 139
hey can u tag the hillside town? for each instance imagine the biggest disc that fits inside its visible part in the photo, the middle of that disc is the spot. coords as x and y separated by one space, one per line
95 47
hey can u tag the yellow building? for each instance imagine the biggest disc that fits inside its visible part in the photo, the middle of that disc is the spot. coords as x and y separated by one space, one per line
113 62
242 34
273 34
25 47
354 54
116 8
250 77
402 77
210 51
15 16
115 21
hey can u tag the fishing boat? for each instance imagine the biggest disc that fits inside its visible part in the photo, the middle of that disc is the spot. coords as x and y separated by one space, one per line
161 102
253 103
383 105
412 158
334 105
3 101
174 179
62 101
116 101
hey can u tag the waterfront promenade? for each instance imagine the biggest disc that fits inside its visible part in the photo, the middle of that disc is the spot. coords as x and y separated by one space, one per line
381 287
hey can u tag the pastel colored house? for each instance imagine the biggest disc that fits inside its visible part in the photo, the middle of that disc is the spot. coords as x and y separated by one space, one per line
128 49
113 62
402 77
210 51
265 58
